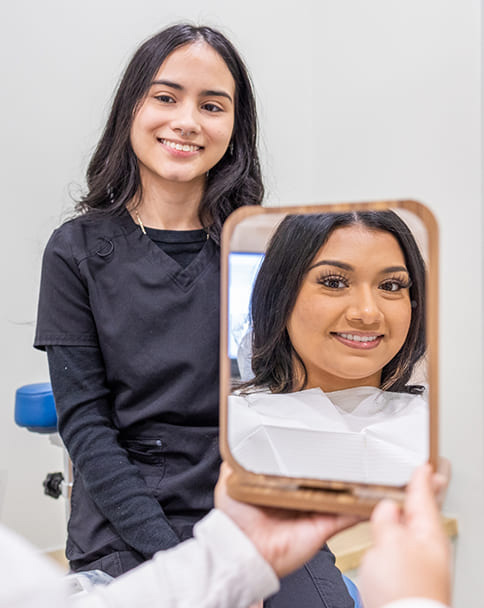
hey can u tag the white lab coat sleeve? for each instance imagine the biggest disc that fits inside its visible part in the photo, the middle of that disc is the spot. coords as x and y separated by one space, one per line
218 568
27 578
415 602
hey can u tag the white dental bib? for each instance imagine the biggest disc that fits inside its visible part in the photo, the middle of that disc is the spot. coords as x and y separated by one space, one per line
361 434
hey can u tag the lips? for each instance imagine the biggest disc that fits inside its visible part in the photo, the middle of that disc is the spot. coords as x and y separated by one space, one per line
178 146
362 341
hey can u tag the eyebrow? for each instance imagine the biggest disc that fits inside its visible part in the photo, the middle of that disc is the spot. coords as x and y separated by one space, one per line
206 92
395 269
350 268
341 265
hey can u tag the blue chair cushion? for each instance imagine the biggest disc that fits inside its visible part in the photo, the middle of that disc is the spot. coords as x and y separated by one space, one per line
35 408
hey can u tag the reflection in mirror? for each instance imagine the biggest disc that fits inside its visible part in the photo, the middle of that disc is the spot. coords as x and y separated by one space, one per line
327 346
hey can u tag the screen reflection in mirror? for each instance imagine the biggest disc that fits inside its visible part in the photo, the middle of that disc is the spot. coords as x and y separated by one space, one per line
327 345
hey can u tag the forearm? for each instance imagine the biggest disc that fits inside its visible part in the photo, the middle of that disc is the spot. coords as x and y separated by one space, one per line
114 483
219 568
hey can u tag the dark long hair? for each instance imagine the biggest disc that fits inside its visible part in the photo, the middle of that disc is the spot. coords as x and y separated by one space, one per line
113 177
289 255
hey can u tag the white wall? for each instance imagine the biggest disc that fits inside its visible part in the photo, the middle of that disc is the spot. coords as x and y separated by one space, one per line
358 100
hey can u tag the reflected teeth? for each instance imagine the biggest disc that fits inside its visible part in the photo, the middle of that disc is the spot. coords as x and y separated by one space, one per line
359 338
181 147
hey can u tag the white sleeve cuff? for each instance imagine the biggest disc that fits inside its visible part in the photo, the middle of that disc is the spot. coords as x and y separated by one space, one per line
249 576
219 568
415 602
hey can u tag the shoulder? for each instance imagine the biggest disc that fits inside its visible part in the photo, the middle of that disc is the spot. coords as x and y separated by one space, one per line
247 393
406 403
86 235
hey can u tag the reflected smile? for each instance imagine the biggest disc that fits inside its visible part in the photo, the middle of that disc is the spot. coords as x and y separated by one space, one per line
358 340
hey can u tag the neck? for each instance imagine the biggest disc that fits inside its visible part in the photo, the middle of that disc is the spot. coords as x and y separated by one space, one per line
329 383
340 384
169 205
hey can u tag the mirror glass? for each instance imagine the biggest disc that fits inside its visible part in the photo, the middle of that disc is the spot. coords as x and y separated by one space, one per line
327 349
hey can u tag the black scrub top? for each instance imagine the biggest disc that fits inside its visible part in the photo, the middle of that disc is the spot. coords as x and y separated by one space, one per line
150 326
106 284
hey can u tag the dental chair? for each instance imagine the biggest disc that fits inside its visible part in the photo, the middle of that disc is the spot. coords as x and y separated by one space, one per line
35 411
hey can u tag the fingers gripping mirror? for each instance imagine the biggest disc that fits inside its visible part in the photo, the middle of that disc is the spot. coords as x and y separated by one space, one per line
328 352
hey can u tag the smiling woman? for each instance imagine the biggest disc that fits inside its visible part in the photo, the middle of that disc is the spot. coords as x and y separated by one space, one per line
184 125
338 326
129 298
370 294
353 310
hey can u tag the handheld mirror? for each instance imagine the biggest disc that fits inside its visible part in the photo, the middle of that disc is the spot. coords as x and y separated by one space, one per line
328 352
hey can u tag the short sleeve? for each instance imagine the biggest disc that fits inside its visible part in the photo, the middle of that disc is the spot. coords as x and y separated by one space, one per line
64 316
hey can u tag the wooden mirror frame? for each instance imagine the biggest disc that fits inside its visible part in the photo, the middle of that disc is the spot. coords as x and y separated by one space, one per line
310 494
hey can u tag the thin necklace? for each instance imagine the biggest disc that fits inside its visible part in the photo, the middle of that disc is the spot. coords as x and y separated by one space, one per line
140 223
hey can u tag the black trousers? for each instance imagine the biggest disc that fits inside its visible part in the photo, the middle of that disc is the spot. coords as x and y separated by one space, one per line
319 584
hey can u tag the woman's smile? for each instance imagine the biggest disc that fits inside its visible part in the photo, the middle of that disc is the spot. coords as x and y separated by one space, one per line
178 146
358 339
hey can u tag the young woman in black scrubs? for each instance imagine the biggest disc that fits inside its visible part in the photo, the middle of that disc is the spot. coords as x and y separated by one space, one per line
129 301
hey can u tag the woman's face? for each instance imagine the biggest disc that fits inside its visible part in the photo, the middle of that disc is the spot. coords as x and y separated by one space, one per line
184 125
353 311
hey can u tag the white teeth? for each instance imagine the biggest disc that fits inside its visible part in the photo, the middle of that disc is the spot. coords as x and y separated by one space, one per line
356 338
181 147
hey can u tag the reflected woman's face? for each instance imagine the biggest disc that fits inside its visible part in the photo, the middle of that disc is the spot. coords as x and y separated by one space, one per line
353 311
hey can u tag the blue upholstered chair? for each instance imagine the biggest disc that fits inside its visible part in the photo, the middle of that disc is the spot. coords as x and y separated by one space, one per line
35 408
353 591
35 411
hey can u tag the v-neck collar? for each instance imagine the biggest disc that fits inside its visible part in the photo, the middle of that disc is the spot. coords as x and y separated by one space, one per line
184 277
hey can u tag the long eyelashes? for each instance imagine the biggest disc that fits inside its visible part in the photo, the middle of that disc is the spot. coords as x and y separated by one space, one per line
333 280
390 284
395 283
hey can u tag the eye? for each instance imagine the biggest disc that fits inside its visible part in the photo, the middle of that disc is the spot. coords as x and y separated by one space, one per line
394 285
212 107
165 98
333 281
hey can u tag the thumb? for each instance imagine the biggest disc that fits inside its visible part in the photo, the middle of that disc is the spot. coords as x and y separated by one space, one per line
421 511
385 519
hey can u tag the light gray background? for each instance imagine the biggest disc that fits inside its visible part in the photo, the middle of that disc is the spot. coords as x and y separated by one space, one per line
358 100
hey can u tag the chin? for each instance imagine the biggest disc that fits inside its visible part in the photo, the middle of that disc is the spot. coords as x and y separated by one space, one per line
183 178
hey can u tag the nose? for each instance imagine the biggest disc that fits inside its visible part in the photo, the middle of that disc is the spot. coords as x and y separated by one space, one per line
185 122
364 308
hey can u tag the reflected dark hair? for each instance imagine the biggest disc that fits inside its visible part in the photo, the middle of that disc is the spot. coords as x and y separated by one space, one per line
289 255
113 176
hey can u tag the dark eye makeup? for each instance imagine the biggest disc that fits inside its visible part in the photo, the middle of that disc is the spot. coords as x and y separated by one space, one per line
333 280
395 283
391 284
